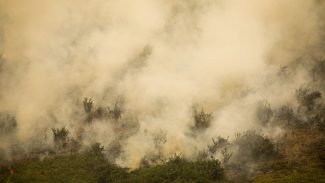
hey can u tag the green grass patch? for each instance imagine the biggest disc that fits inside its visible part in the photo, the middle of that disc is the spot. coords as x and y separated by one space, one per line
87 168
298 176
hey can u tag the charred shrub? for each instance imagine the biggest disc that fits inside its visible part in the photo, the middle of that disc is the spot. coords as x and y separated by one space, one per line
88 105
264 113
201 119
250 151
254 146
307 98
60 137
101 113
318 71
285 116
96 150
217 144
8 123
220 145
311 109
114 150
318 118
116 111
155 157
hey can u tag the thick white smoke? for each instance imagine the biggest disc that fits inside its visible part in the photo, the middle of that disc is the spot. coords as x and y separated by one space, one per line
159 57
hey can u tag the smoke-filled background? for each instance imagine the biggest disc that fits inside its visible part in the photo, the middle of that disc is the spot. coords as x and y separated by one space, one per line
154 64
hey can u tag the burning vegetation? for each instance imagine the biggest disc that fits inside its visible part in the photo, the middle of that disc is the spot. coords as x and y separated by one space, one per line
141 91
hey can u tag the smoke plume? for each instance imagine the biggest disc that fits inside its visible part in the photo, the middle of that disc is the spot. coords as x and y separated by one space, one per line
157 62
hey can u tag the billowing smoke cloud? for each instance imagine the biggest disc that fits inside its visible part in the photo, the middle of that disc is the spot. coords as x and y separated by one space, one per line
157 60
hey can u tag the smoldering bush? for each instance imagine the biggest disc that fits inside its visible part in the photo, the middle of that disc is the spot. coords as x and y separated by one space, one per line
96 150
284 116
222 146
8 123
100 112
307 97
253 146
285 113
318 71
60 137
310 112
249 151
264 113
319 118
243 156
155 157
247 147
217 144
202 120
88 104
114 150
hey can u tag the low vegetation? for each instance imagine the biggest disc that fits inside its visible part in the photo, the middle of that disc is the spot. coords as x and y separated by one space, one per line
91 166
251 156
